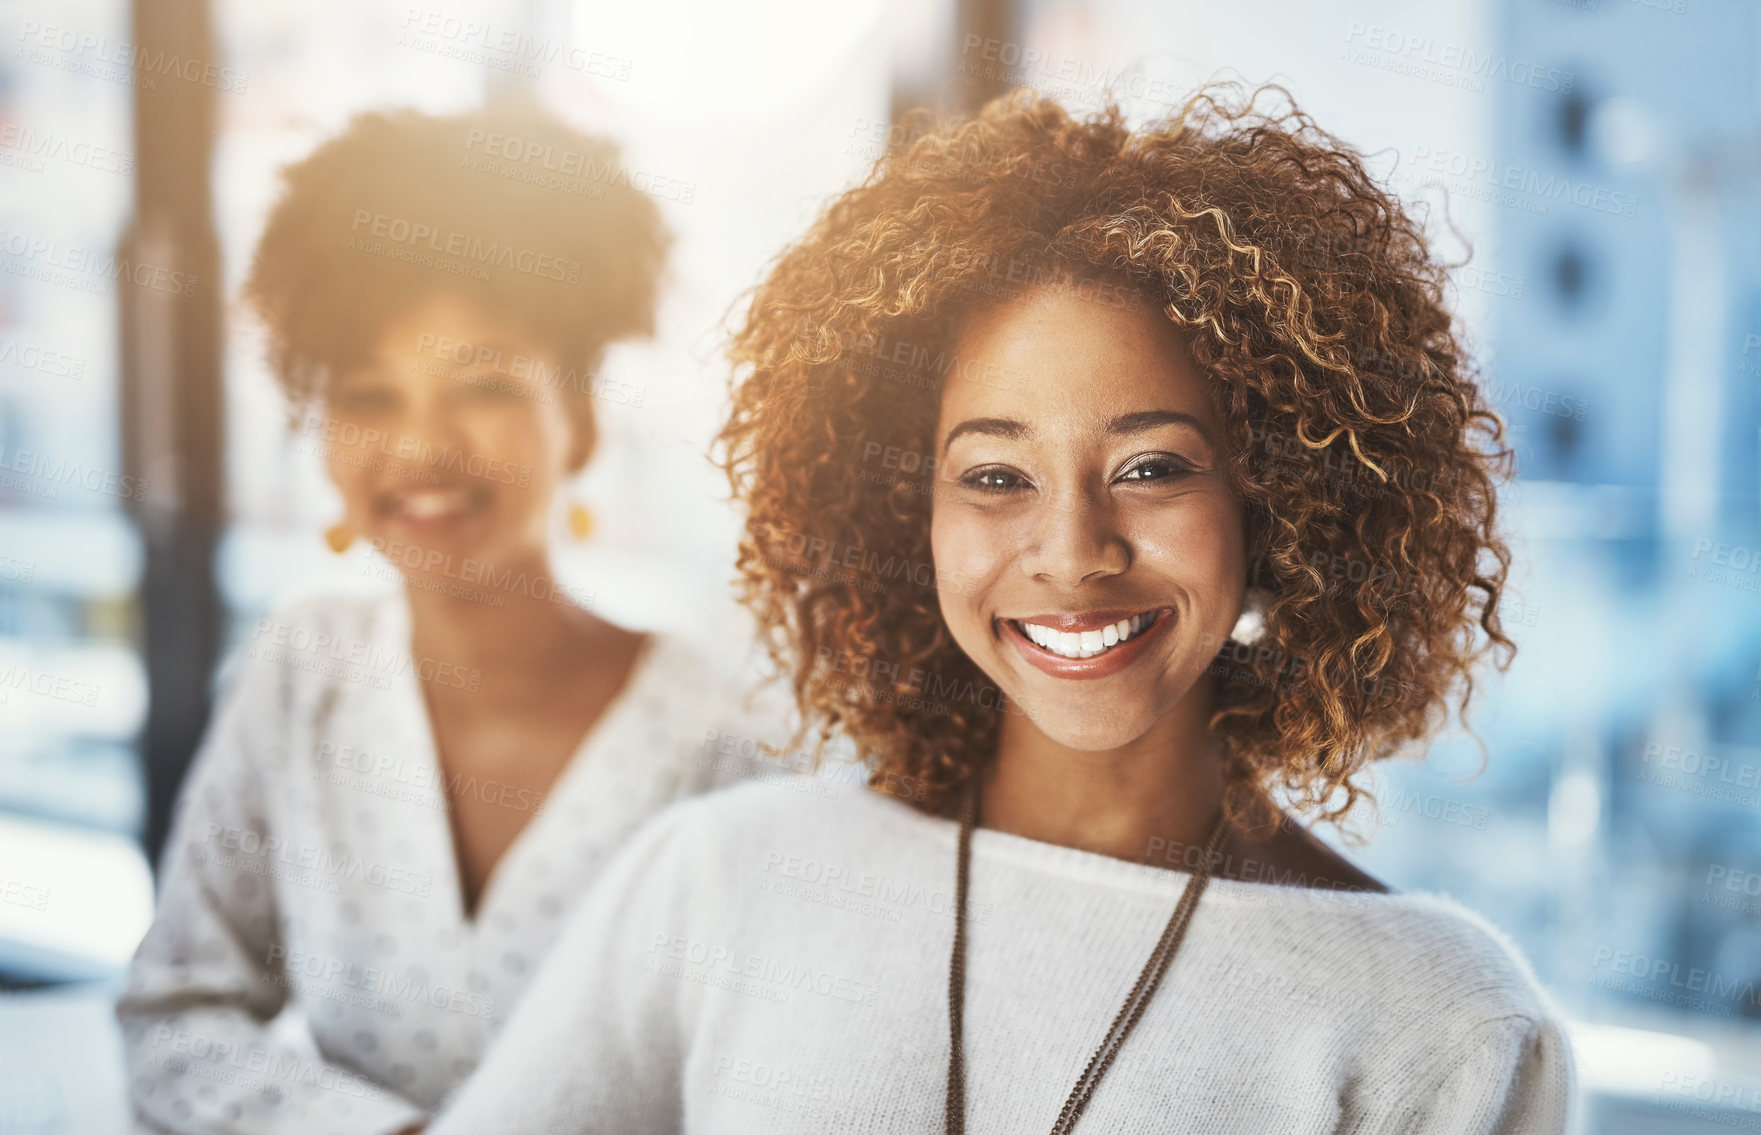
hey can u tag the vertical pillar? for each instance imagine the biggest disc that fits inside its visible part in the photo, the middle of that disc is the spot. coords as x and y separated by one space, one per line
172 395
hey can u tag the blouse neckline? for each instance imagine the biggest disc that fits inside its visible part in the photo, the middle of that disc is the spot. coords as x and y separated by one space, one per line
581 764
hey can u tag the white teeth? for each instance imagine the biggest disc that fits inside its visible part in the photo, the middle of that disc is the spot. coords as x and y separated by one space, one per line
430 505
1083 644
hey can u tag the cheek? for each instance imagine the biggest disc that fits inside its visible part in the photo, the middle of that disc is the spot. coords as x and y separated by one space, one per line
533 443
346 468
967 550
1200 539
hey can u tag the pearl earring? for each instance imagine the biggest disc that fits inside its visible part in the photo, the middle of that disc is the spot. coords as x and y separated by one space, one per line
1251 626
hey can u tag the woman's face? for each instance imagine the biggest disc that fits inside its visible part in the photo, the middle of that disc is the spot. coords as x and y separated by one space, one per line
450 442
1089 550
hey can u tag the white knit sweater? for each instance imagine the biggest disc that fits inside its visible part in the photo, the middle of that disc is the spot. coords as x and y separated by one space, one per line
770 960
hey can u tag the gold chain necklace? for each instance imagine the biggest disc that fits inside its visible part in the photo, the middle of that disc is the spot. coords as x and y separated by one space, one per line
1135 1001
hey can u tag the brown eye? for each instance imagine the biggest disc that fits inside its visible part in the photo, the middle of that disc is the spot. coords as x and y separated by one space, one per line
1156 469
362 398
994 480
490 390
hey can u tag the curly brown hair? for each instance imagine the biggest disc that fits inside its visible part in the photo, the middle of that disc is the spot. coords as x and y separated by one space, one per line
507 209
1363 450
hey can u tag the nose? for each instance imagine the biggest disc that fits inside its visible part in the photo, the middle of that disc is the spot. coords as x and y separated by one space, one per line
433 423
1076 539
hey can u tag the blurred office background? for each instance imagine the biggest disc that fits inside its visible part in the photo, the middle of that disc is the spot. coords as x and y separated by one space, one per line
1595 165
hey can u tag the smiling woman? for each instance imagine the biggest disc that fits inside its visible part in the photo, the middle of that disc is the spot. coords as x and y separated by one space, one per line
1252 250
1113 319
403 793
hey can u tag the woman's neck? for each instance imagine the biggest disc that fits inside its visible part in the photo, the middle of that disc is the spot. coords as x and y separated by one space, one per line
1165 788
523 632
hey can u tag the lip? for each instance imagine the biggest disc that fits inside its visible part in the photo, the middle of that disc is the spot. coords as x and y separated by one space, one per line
1101 665
1086 620
388 506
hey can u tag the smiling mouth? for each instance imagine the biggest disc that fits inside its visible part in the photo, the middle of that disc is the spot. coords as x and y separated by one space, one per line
429 504
1086 643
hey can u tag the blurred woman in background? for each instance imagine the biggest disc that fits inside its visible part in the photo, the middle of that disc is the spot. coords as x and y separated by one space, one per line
403 795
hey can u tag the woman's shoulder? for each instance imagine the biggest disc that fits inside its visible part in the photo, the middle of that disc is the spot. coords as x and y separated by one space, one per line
1422 976
698 669
303 631
801 813
1415 955
719 703
284 659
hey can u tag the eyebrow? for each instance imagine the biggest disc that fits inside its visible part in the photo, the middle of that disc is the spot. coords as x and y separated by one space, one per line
1138 422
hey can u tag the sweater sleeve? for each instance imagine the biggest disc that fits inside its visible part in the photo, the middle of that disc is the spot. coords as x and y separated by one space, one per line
599 1042
206 981
1510 1076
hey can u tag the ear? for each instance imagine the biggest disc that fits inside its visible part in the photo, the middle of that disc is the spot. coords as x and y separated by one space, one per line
584 433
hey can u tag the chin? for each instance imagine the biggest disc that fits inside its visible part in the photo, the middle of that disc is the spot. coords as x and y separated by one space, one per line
1088 729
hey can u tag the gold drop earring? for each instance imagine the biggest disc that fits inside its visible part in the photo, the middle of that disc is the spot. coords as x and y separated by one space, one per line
580 521
339 536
